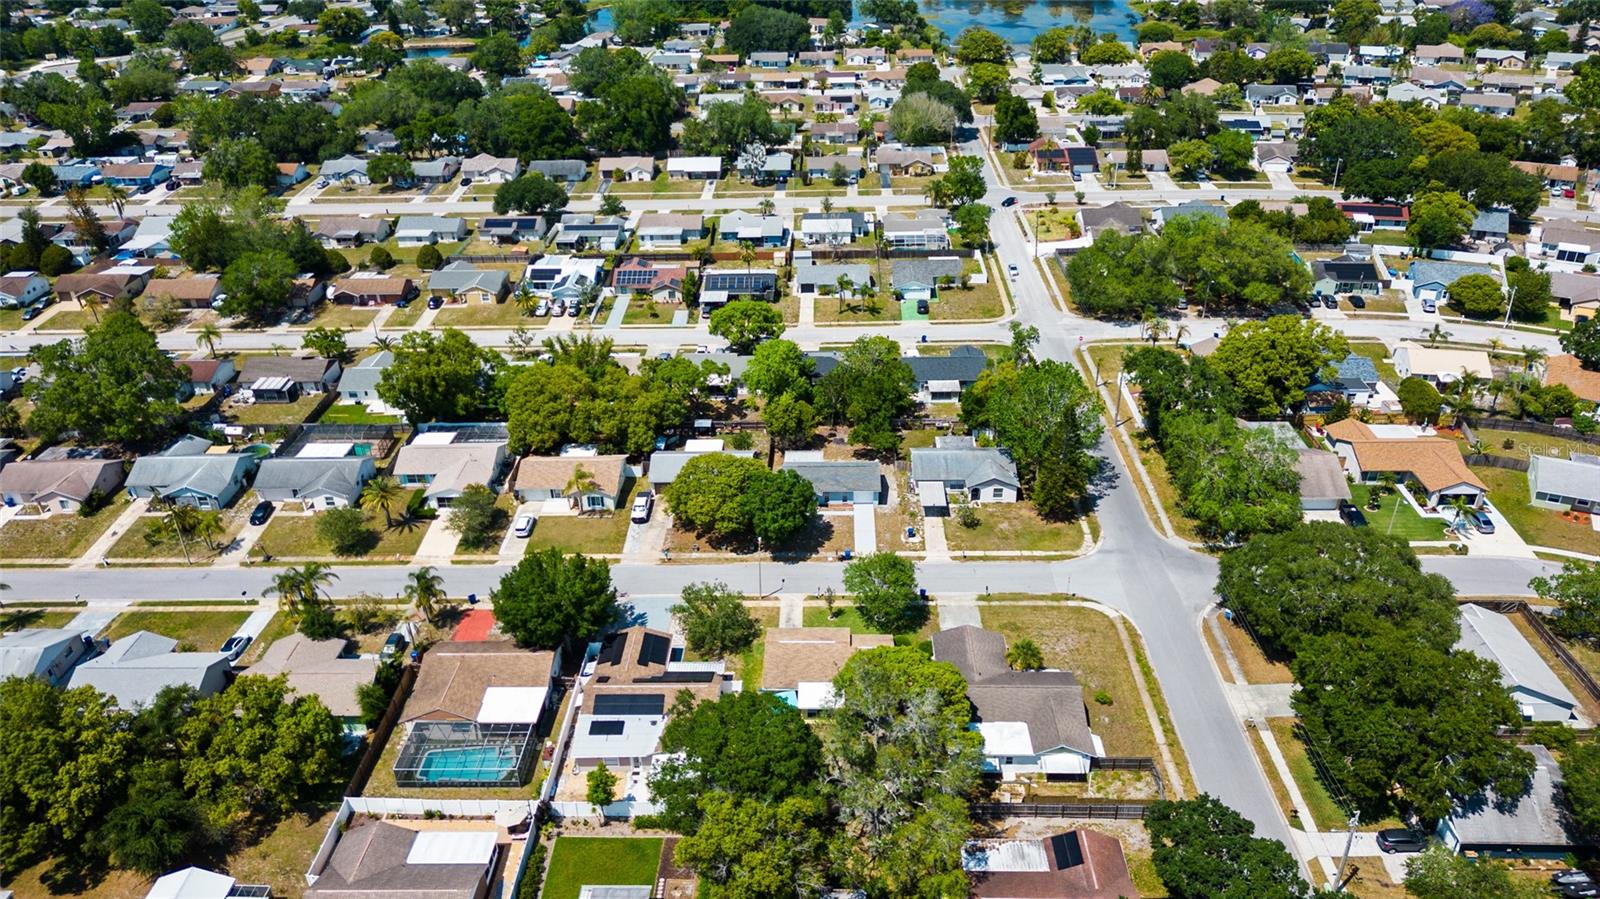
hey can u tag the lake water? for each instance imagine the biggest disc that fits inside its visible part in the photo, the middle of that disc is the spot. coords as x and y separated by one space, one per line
1015 20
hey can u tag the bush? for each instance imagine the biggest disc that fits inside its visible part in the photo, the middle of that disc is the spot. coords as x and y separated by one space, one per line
428 258
319 623
967 516
381 259
56 260
1101 697
337 263
346 531
741 440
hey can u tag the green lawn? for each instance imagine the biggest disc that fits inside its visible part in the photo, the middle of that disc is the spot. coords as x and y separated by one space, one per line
337 315
400 319
1377 352
64 536
1508 490
614 861
593 533
1055 223
354 414
205 631
134 545
484 315
1396 516
1522 444
861 309
649 312
1014 526
1387 237
978 301
295 536
18 619
275 413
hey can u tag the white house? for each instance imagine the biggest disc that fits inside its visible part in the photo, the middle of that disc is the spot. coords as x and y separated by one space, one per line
423 230
19 289
957 464
1537 691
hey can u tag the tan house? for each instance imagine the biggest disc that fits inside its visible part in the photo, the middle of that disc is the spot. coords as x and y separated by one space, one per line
319 668
801 662
1567 370
1432 463
481 680
358 290
58 485
190 291
554 477
106 286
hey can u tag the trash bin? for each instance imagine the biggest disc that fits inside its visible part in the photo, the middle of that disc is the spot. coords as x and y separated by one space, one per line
845 555
472 599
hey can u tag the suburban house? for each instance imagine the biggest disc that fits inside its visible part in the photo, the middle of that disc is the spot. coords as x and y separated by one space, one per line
377 859
660 282
106 286
669 229
1440 366
565 172
1559 240
1078 864
910 161
1119 217
1371 216
757 230
1556 177
694 168
186 475
137 667
1577 294
1347 274
434 171
372 289
583 231
352 230
1534 687
833 228
1562 484
1277 156
588 483
941 379
801 662
1563 368
490 169
1532 825
188 291
563 277
925 229
718 286
463 282
1355 378
58 485
920 279
48 653
627 168
136 175
198 883
1322 482
504 229
836 480
320 668
445 462
272 377
1432 463
20 289
979 473
359 383
1491 225
811 278
317 482
424 230
634 682
1163 214
665 465
483 681
1032 722
346 169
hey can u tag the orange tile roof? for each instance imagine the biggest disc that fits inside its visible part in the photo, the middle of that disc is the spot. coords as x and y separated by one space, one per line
1568 370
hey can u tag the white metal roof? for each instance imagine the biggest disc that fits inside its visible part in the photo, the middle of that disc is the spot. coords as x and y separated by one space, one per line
275 383
933 495
325 451
703 445
434 438
452 847
512 705
1005 738
191 883
813 695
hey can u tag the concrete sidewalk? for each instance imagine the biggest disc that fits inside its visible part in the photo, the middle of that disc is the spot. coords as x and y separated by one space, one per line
102 546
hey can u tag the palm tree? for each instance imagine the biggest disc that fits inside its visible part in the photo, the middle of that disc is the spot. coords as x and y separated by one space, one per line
385 343
747 254
1460 506
827 205
118 195
1496 389
1388 482
1024 655
767 206
1464 393
425 588
92 302
182 522
383 493
1531 356
580 483
1179 333
300 588
1478 448
1495 346
207 335
525 300
843 286
278 348
1436 335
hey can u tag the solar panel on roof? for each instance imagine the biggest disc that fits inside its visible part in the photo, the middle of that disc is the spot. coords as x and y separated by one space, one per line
630 704
605 728
611 650
653 649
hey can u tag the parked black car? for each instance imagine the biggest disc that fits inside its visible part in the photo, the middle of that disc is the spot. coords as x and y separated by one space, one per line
1351 515
261 512
1400 839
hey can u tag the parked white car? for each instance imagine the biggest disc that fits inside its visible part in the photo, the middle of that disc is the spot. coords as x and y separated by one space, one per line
642 504
523 526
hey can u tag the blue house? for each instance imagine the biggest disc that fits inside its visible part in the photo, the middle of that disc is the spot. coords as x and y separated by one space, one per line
1354 377
76 175
137 175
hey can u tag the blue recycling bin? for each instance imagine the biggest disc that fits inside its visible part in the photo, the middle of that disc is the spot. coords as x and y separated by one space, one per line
472 599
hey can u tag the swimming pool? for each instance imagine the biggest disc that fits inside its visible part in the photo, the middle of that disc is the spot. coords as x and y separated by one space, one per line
485 764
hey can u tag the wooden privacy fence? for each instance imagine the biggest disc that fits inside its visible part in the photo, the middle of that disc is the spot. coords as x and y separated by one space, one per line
379 738
1531 427
1108 809
1497 462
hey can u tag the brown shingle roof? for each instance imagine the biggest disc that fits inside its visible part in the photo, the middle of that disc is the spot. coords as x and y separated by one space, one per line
454 675
811 654
319 668
554 472
1565 369
1435 463
193 287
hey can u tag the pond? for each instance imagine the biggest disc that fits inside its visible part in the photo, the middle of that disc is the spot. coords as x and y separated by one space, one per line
1015 20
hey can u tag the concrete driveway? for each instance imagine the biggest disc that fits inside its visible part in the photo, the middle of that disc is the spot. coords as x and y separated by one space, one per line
866 526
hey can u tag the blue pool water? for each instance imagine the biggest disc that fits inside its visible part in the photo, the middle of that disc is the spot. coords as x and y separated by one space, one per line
474 763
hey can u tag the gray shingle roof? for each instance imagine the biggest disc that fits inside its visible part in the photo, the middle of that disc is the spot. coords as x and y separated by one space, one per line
924 271
1492 636
364 375
286 478
1536 819
838 476
207 475
1445 273
459 276
967 466
1564 477
1049 703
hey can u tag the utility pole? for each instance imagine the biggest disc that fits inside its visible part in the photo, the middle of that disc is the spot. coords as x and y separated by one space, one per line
1349 838
1116 417
1338 165
1510 299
